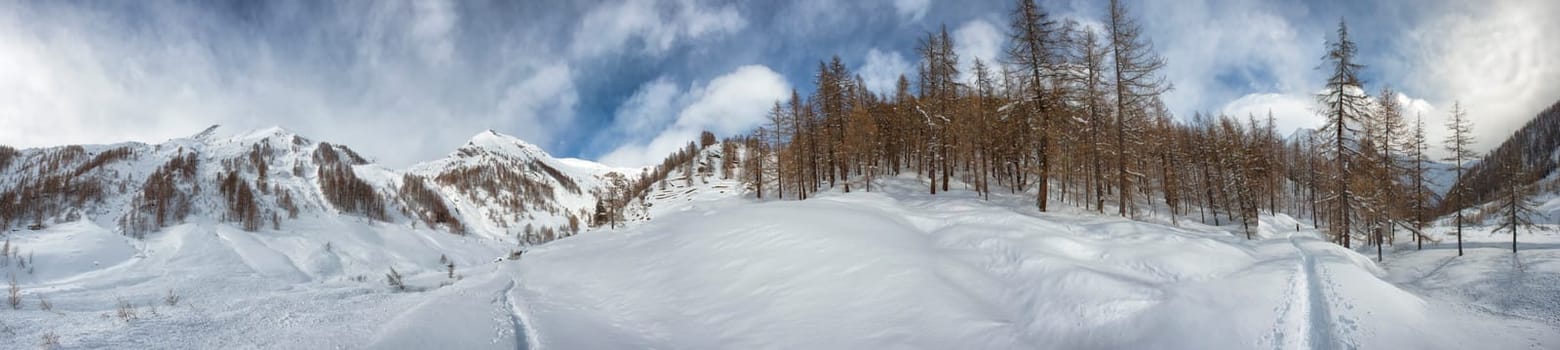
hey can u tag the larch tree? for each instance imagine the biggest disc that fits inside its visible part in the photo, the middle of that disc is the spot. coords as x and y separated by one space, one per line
1344 106
1388 125
939 95
1273 165
1031 52
983 105
1515 206
1137 80
1419 191
774 140
1089 55
861 140
1457 144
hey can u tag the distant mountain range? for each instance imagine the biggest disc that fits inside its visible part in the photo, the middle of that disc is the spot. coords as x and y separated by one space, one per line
1536 146
495 185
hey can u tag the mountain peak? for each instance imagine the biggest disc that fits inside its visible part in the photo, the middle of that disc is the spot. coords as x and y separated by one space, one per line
219 132
496 142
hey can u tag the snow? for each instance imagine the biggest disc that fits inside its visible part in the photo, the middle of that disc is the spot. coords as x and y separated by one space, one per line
294 288
714 268
71 249
493 149
903 270
1488 278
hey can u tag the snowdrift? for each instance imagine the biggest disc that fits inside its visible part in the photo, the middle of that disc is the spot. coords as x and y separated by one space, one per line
869 270
895 269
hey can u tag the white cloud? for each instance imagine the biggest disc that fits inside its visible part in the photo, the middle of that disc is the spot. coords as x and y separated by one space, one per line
432 28
1500 59
83 74
728 105
1208 44
882 70
652 106
977 39
913 10
654 25
545 101
1290 112
69 84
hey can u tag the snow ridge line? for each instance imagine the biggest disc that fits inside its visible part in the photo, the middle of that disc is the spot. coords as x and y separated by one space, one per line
526 337
1319 317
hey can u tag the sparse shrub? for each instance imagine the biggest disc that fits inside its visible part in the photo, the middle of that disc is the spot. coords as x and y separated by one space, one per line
394 280
15 295
125 311
50 341
451 266
172 299
44 304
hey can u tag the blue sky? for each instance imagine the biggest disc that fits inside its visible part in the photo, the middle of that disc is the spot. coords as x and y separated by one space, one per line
625 81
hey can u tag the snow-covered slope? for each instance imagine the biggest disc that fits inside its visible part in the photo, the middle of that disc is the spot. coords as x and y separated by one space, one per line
495 185
502 186
682 190
894 268
907 270
702 264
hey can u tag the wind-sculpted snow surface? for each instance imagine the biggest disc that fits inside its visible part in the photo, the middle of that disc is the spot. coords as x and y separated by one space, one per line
873 271
893 269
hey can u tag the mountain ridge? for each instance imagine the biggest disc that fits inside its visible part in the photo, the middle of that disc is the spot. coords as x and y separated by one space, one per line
494 185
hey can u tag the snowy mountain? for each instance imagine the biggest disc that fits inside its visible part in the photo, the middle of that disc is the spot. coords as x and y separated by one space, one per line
369 261
495 185
237 238
1535 146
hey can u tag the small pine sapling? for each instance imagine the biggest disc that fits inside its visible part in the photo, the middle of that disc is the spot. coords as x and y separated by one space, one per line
394 280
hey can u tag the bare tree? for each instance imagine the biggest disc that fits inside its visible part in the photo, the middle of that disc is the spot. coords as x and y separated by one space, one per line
1515 204
1032 52
1136 67
14 294
1345 106
1419 191
1457 142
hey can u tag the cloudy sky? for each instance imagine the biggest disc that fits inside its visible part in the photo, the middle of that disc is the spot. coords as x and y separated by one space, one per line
626 81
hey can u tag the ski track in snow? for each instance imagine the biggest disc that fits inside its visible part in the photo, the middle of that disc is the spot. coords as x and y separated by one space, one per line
1318 322
1308 296
525 337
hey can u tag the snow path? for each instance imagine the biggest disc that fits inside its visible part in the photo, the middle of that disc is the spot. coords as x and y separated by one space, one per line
1310 293
525 337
